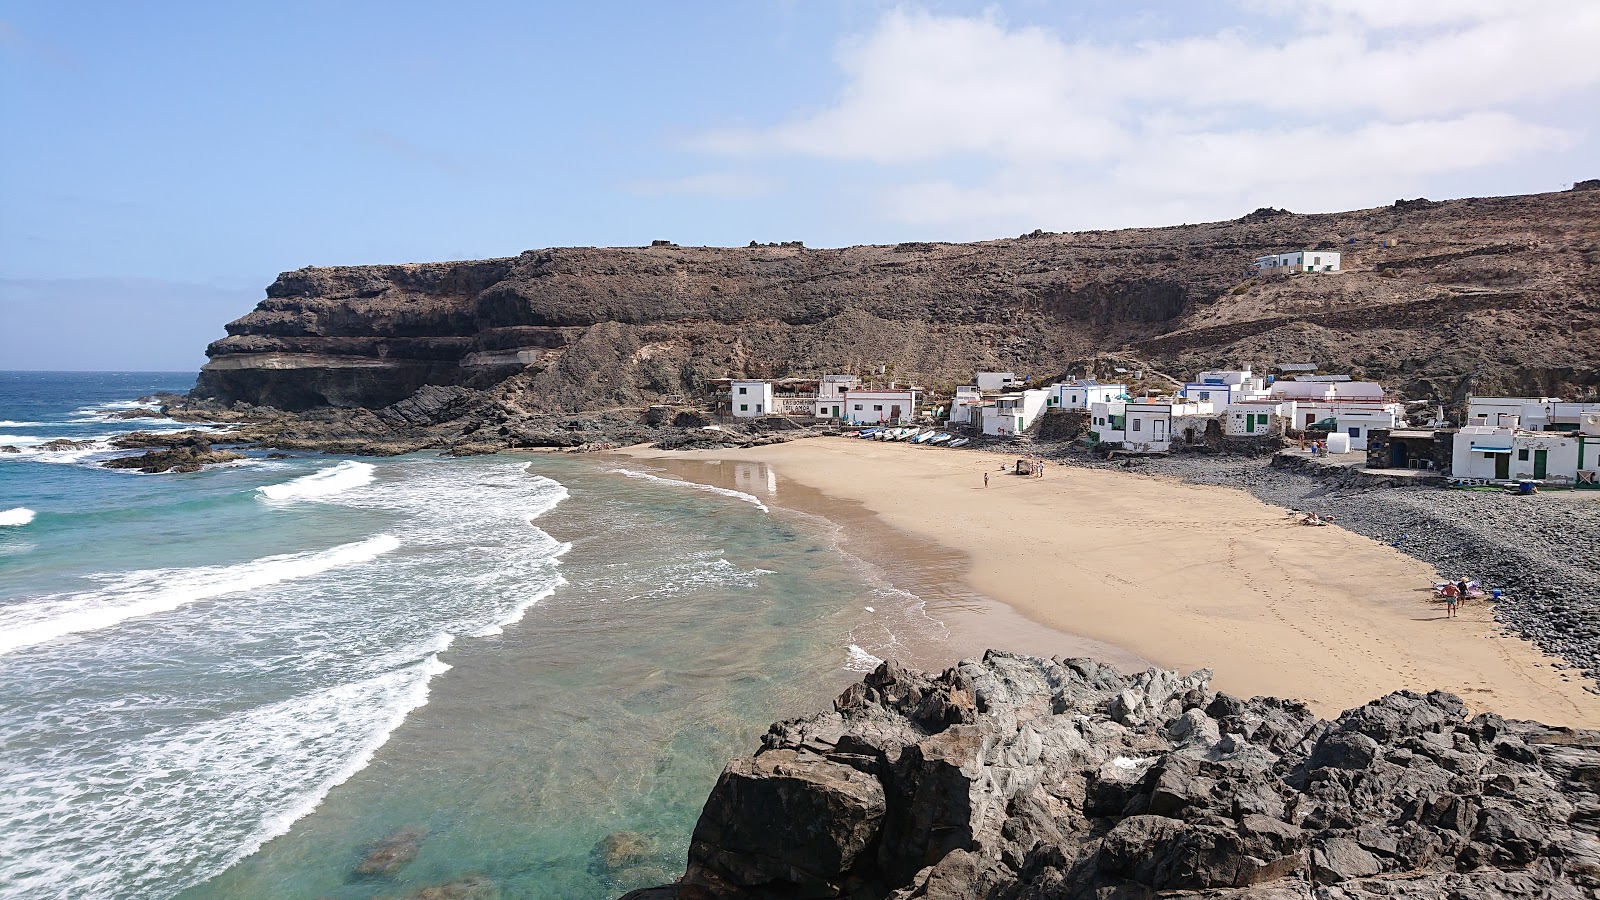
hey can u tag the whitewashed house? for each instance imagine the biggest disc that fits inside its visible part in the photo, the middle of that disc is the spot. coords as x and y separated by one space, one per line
1106 420
880 406
1354 418
1221 387
1257 418
1298 261
1503 453
992 382
965 406
1326 387
1011 414
830 400
1151 426
1080 394
1529 413
751 399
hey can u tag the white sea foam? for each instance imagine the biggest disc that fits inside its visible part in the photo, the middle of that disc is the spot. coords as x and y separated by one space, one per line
16 517
253 773
861 661
151 591
8 423
711 488
324 483
22 440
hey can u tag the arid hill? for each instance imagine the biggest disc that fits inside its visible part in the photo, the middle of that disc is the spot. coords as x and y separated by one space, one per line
1494 294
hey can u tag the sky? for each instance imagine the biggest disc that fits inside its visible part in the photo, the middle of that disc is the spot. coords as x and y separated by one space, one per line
161 163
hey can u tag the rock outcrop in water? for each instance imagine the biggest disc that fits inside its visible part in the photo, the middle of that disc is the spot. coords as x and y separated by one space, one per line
1486 294
1015 777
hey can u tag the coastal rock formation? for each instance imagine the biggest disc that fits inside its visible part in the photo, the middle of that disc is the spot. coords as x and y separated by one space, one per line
1483 294
1016 777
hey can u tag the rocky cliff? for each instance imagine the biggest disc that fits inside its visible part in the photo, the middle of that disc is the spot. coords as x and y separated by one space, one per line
1488 294
1015 777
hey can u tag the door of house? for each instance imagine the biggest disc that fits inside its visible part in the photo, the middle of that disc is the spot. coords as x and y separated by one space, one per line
1502 465
1541 463
894 413
1158 429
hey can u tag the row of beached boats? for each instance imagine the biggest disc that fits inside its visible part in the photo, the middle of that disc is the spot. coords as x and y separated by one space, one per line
928 436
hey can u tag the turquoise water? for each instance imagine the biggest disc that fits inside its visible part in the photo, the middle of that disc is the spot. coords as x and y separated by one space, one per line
233 683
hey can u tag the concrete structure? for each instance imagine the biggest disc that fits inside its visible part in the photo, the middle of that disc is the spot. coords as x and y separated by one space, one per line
1107 420
1153 425
1324 387
1529 413
993 382
868 406
965 406
751 399
1354 418
1258 418
1080 394
1011 414
1428 449
1502 453
1298 261
1221 387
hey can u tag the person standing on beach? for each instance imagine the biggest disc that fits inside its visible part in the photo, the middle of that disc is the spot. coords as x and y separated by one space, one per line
986 479
1452 597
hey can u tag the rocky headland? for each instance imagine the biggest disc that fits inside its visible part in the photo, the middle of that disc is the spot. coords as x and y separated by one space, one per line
1437 299
1019 777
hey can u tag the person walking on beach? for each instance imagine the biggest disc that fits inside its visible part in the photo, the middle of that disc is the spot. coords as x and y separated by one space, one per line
986 479
1452 598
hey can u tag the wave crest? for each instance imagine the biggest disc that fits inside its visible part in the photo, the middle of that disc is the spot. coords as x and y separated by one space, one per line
323 483
711 488
16 517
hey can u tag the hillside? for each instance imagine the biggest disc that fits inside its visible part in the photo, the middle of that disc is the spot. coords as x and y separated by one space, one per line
1483 294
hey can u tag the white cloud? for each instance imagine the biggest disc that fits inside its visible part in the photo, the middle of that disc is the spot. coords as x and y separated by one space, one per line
1359 93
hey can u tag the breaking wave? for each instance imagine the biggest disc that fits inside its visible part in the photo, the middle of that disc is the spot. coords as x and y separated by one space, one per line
709 488
324 483
16 518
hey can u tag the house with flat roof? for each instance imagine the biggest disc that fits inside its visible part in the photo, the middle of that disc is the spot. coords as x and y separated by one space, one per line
1297 261
880 406
1013 413
751 399
1080 394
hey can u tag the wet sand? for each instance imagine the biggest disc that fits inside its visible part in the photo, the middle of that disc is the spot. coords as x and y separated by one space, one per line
1133 569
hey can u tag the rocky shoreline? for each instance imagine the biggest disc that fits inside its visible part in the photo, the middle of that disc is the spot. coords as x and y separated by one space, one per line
1016 777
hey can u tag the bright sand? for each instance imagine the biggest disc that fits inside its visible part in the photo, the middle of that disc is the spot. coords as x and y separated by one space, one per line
1185 576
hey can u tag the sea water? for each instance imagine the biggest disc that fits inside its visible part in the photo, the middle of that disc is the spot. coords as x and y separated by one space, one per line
235 683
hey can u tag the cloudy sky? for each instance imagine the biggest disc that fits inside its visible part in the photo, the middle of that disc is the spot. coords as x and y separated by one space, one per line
162 162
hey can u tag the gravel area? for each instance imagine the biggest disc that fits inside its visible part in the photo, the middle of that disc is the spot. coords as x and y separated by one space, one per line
1543 550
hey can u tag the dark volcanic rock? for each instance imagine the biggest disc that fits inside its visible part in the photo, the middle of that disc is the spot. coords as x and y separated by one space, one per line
185 452
391 854
1015 777
564 329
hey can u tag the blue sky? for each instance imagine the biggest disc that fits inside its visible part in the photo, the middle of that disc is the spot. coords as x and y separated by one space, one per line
161 163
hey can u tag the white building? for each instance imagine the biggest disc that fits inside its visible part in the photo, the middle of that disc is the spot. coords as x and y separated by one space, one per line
1151 426
1298 261
867 406
1502 453
751 399
1355 418
1529 413
1257 418
1221 387
829 403
1327 387
964 406
1011 414
1080 394
991 382
1106 421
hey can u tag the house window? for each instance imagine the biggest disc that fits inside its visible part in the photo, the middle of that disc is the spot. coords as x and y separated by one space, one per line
744 407
877 407
1523 454
1205 395
1136 424
1355 432
741 390
758 407
858 407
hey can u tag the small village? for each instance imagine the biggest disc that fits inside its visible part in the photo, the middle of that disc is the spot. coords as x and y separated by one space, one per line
1523 444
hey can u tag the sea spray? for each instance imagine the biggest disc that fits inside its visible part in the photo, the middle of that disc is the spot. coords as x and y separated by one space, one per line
151 591
323 483
16 517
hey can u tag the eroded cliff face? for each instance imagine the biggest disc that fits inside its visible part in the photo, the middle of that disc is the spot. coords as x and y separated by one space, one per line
1483 294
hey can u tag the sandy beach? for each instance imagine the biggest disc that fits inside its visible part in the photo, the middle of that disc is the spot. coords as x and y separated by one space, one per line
1134 569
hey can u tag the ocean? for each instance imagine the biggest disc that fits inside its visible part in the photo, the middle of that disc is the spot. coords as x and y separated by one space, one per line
522 671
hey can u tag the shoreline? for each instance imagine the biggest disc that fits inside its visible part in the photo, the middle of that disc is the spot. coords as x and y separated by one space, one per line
1182 576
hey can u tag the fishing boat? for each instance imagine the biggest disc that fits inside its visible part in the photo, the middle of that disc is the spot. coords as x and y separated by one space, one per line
868 433
923 438
959 442
940 438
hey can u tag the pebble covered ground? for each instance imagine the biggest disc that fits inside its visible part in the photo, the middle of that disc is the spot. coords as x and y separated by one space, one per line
1542 551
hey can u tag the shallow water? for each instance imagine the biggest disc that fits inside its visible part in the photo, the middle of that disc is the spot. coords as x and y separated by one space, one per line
233 683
